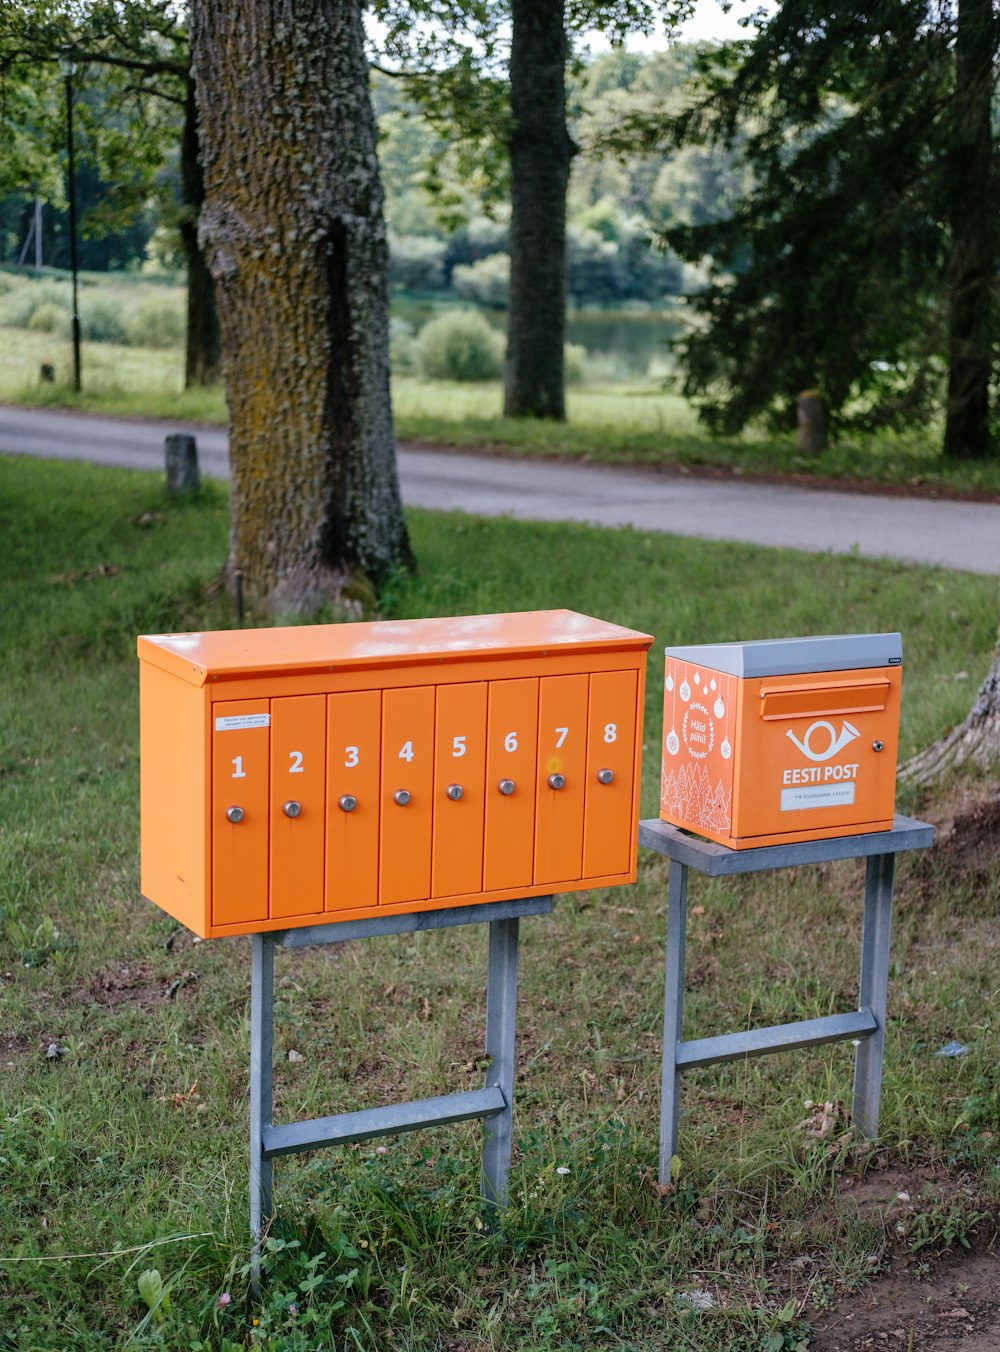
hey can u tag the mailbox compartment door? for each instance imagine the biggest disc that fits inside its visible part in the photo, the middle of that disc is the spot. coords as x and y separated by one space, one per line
298 804
459 775
241 738
560 778
406 794
354 723
817 751
611 752
511 756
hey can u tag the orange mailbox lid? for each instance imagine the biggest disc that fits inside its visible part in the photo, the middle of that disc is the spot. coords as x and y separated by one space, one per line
230 653
796 656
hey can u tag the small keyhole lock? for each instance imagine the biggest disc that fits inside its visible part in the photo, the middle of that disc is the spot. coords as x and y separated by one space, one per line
877 745
401 797
454 792
605 776
557 781
291 808
235 815
347 802
506 787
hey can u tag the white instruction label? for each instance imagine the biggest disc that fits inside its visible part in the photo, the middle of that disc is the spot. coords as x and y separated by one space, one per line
237 722
818 795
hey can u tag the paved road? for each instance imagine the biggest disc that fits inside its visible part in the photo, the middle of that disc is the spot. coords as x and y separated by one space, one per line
916 530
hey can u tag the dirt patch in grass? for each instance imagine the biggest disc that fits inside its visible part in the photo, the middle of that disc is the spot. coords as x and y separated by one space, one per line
950 1304
969 841
134 987
12 1047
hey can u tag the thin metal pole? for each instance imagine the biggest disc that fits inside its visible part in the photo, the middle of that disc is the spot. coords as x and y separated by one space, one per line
73 258
261 1091
501 1009
874 990
673 1017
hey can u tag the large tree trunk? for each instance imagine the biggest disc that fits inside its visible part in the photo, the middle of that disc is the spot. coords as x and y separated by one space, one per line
975 741
540 154
203 349
295 238
973 233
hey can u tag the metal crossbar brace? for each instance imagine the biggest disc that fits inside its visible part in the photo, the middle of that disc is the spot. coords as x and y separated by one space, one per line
494 1103
866 1025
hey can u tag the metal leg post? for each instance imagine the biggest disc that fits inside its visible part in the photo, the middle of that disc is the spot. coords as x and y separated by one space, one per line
501 1006
874 989
261 1095
673 1014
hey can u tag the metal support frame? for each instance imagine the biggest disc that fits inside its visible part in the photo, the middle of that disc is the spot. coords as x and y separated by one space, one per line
866 1025
494 1103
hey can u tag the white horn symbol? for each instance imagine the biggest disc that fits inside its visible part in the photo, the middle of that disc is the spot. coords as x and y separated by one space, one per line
848 732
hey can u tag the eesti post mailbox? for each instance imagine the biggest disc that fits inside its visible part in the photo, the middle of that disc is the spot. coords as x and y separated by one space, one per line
301 775
781 740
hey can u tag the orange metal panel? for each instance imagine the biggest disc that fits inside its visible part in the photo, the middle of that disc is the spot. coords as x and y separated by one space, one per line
807 771
240 741
298 804
352 809
407 806
611 752
700 719
795 700
175 772
511 757
562 756
459 774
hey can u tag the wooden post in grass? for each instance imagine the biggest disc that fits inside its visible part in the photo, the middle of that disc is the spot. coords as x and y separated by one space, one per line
182 464
812 425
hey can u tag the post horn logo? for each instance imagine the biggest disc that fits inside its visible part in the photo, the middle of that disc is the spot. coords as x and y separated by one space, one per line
837 742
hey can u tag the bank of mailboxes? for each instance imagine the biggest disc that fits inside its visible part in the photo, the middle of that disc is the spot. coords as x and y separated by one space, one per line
301 775
782 740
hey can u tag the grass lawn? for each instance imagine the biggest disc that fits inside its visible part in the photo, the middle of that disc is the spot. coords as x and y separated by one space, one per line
123 1043
614 424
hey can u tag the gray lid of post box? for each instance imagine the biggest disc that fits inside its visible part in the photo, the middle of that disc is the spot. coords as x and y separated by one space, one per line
796 656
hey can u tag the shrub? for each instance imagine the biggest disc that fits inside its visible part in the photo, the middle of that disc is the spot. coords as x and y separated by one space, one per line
460 345
101 317
485 282
416 262
403 356
574 363
49 318
20 303
156 321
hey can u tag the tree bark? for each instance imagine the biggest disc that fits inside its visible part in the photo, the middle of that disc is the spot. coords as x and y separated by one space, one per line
203 347
540 155
975 741
294 235
971 336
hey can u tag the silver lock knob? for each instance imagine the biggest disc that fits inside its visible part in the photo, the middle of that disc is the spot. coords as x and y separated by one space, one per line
605 776
235 815
291 808
454 792
877 745
347 802
557 781
401 797
506 787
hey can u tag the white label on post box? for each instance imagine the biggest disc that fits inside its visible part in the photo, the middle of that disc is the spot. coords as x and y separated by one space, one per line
821 795
237 722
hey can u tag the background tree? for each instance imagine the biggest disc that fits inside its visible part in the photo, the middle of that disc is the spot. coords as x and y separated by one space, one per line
295 238
136 105
865 129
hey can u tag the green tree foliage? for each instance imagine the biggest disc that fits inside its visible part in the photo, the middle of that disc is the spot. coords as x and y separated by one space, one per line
837 269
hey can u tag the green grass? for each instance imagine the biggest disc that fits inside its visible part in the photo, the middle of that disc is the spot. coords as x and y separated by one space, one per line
126 1153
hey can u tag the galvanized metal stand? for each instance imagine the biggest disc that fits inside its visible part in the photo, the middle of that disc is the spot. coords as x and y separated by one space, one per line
494 1103
866 1024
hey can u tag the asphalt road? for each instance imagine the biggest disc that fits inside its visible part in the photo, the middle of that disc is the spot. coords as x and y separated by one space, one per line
963 535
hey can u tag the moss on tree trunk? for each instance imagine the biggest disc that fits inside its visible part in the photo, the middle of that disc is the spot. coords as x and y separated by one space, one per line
293 231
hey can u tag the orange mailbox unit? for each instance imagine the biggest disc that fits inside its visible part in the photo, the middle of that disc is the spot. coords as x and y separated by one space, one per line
327 772
790 739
